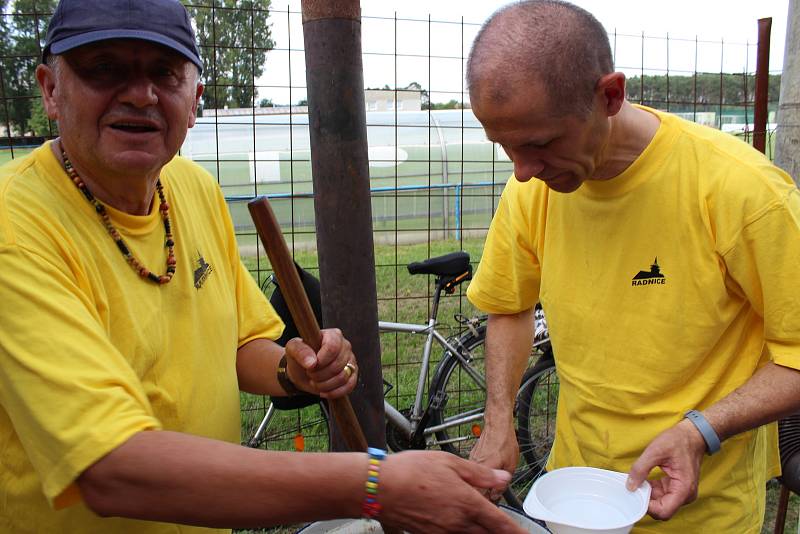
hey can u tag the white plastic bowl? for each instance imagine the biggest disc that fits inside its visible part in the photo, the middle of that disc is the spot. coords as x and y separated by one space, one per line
365 526
586 500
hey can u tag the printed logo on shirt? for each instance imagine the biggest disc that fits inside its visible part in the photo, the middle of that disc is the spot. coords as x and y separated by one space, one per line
653 276
202 271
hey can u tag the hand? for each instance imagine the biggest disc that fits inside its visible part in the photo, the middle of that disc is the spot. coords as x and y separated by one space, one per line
331 373
497 449
435 492
678 451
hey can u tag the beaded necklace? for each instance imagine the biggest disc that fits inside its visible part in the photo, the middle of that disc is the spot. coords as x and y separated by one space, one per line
163 208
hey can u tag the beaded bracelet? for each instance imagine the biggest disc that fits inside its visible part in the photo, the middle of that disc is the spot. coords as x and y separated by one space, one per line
371 507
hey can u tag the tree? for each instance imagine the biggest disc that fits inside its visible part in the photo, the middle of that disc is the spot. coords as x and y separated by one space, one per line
26 38
234 40
707 90
5 49
39 123
452 104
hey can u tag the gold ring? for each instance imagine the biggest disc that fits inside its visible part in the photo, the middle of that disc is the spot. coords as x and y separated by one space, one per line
349 369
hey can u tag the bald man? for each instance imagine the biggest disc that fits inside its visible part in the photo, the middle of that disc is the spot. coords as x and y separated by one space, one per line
664 255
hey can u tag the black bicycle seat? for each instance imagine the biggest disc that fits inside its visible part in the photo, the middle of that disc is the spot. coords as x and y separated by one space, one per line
447 265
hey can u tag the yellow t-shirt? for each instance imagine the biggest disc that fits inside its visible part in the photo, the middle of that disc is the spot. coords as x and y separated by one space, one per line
90 353
665 288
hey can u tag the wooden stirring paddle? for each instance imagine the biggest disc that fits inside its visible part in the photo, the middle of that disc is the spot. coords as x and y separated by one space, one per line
292 288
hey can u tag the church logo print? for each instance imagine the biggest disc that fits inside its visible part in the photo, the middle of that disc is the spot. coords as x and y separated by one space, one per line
202 271
653 276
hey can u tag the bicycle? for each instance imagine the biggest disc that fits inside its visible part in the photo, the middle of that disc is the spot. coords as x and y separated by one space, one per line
450 416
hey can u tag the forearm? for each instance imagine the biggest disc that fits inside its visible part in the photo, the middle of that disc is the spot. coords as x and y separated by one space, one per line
256 365
771 393
173 477
508 345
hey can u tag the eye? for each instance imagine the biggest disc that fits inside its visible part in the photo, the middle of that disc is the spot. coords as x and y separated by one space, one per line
99 71
102 69
167 74
164 72
538 144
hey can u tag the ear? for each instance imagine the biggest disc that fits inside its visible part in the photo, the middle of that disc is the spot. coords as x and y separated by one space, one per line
46 78
197 95
611 88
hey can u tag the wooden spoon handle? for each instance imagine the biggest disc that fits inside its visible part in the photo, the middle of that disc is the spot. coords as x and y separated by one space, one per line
292 288
295 295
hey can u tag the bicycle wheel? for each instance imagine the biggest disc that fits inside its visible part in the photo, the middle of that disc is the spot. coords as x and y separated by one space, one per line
302 429
465 399
535 413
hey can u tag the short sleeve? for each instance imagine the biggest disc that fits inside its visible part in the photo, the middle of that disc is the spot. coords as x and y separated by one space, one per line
255 315
508 277
763 261
71 396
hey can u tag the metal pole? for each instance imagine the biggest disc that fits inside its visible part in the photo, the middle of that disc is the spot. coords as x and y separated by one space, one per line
342 204
762 85
787 139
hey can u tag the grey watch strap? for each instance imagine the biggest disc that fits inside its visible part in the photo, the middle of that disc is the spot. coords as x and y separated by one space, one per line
706 430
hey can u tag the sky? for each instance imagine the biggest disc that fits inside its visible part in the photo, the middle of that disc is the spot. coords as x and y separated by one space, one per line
704 35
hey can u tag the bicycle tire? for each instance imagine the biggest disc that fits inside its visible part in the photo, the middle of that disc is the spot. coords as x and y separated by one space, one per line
310 422
464 396
535 408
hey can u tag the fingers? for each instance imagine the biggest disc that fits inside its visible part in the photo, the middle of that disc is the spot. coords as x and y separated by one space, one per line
678 454
301 353
639 471
333 346
333 371
481 476
337 391
435 493
665 499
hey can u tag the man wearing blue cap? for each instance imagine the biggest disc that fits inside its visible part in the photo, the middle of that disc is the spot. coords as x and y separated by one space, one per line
130 323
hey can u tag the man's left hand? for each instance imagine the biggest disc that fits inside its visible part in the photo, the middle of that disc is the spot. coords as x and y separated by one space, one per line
678 451
330 373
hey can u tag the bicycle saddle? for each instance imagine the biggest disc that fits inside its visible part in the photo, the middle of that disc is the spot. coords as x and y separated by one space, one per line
447 265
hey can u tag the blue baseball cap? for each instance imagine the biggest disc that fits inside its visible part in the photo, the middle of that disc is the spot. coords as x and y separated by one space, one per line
80 22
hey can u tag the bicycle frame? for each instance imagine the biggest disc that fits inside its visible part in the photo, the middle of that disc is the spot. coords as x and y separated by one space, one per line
409 425
414 425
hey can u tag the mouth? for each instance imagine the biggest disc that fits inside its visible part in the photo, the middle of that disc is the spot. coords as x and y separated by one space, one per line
134 127
552 177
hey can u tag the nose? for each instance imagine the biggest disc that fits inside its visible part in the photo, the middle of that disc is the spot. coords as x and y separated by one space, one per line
139 91
526 168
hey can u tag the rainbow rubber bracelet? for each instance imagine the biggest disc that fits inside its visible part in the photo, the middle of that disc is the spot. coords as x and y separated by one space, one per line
371 508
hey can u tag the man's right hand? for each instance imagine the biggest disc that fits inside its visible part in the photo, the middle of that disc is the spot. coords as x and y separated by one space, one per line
435 492
498 449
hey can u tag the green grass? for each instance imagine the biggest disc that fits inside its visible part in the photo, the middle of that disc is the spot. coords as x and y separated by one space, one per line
6 155
401 298
773 496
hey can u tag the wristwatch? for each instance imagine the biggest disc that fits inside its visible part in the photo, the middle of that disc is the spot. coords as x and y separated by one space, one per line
284 380
706 430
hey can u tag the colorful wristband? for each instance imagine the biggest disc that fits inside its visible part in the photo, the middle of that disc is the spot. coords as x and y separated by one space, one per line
706 430
371 507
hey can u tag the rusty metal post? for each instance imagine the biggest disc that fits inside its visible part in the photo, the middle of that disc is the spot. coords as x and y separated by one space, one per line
342 204
762 85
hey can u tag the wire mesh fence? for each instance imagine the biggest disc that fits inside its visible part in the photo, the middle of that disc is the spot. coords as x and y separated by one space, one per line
435 178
